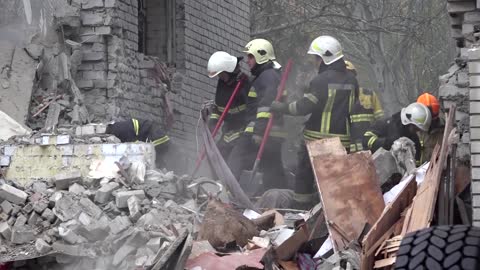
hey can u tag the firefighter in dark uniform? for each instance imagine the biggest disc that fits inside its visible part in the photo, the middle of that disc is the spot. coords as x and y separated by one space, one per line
133 130
365 111
434 135
264 84
227 68
408 122
329 100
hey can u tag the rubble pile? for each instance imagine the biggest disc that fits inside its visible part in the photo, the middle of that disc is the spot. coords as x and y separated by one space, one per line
125 222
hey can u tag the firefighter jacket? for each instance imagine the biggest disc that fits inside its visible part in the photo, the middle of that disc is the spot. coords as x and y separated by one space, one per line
329 100
366 110
385 132
262 93
134 130
429 139
235 120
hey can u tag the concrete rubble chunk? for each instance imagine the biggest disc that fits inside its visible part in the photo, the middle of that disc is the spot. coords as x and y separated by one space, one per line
6 207
48 215
105 192
119 224
64 180
22 235
66 208
134 208
76 188
21 220
154 244
69 235
41 246
90 208
40 206
33 219
122 197
5 230
12 194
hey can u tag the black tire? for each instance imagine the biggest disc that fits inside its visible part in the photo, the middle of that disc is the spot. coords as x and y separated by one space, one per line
442 247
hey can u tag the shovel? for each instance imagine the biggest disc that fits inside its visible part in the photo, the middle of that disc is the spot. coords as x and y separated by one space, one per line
249 181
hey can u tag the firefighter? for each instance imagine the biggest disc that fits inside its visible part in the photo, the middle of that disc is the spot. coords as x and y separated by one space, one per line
406 123
263 90
434 135
133 130
227 68
366 110
329 99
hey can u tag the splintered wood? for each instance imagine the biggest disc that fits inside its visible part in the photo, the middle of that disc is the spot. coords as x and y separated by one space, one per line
349 189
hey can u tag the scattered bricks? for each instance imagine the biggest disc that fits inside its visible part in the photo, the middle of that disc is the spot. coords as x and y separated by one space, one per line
119 224
90 208
22 235
11 221
122 197
63 139
21 220
41 246
100 129
84 84
93 56
105 192
76 189
40 205
27 209
103 30
66 208
12 194
154 244
4 161
69 236
9 150
462 79
134 208
64 180
33 219
5 230
97 230
48 215
88 4
7 207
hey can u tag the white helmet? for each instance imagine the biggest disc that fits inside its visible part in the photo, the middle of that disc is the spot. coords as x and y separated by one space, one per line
220 62
417 114
261 49
327 47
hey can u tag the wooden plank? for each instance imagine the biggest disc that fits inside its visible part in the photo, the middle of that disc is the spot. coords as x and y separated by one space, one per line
423 205
386 222
349 188
384 262
463 211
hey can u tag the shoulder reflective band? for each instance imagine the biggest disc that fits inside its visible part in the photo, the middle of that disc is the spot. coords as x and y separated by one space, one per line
136 126
311 97
162 140
214 116
338 86
355 118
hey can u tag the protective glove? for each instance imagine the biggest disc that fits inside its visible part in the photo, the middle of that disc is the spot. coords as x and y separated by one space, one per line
257 139
278 106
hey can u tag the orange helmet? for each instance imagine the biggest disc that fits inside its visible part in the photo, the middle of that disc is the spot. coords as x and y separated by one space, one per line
431 102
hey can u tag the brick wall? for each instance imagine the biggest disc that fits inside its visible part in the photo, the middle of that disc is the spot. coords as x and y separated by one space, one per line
204 27
461 85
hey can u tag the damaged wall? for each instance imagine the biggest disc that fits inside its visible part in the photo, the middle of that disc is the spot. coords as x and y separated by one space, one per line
461 86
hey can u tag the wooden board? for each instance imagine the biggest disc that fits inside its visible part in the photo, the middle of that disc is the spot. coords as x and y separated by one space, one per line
386 222
349 189
384 263
423 206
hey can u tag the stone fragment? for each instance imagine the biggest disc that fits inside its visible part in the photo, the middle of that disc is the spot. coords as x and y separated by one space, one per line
119 224
41 246
12 194
84 219
69 235
64 180
48 215
21 220
27 209
104 193
7 207
5 230
90 208
33 219
22 235
66 208
76 188
122 197
97 230
134 208
40 206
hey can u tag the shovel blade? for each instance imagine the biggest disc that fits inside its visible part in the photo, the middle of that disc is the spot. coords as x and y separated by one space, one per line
251 185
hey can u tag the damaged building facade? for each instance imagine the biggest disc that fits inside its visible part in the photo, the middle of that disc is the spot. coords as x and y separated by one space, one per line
99 60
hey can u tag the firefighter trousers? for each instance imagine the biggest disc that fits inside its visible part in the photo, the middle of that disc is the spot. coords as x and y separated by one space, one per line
243 155
304 178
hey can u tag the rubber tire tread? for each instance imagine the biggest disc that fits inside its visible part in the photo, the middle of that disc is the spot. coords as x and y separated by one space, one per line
451 247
